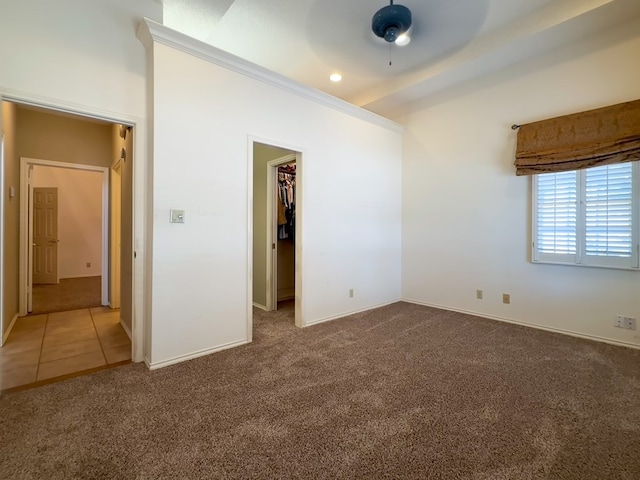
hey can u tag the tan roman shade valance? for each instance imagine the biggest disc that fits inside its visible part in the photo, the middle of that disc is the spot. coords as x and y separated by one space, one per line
596 137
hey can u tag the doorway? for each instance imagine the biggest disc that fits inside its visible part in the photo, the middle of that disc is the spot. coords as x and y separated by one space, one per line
64 267
276 221
72 138
281 188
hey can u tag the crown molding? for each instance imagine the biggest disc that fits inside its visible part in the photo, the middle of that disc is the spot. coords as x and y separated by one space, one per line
150 32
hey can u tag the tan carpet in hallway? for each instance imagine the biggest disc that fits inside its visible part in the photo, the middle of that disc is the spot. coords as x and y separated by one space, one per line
69 294
399 392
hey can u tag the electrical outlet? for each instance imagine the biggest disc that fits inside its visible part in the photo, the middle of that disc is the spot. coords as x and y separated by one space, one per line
351 293
88 264
506 298
630 323
479 294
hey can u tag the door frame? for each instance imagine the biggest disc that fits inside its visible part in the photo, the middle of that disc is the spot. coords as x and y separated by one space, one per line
299 154
272 228
140 208
26 211
3 336
115 218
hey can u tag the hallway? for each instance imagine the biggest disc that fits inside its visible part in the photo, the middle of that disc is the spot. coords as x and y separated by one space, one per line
50 347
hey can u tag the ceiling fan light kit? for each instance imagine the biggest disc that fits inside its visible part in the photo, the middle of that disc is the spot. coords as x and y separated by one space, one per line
392 23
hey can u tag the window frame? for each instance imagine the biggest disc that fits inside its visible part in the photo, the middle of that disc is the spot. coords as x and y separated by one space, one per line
580 258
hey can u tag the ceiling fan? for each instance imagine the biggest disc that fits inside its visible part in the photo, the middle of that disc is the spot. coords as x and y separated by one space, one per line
392 23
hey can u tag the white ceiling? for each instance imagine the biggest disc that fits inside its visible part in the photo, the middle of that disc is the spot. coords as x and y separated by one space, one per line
452 40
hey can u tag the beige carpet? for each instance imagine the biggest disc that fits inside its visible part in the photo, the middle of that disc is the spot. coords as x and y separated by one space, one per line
69 294
404 392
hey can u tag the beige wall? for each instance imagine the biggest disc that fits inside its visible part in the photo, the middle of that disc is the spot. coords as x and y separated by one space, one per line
11 216
48 136
126 227
261 155
79 218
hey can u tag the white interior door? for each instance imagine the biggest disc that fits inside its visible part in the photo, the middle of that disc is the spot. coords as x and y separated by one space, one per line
45 235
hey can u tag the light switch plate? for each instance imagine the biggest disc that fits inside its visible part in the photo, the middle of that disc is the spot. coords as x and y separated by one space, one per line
177 216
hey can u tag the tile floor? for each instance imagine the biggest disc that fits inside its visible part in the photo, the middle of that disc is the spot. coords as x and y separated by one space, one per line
43 347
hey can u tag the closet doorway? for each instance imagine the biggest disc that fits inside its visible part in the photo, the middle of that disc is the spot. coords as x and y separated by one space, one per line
282 264
276 228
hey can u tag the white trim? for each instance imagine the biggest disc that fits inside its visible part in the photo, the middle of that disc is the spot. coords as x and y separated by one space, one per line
346 314
48 103
261 307
125 328
115 232
150 31
191 356
2 215
249 299
25 163
141 219
570 333
299 254
5 336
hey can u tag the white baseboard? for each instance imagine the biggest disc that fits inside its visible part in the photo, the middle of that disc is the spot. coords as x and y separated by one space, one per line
191 356
5 336
342 315
585 336
261 307
126 329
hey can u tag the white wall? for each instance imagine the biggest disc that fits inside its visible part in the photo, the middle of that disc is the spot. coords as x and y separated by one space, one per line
79 218
85 53
349 186
466 216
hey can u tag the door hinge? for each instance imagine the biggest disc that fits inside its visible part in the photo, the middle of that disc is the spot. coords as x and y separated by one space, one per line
273 246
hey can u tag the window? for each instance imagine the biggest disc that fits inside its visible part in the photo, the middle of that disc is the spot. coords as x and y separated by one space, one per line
588 217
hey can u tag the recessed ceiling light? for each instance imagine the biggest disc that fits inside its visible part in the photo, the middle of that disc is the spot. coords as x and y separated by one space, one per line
335 77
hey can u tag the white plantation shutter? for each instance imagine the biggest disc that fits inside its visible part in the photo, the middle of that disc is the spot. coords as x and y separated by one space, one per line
587 217
557 213
608 210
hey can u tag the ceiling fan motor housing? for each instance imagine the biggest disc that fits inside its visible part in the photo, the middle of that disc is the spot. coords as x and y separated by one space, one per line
391 21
